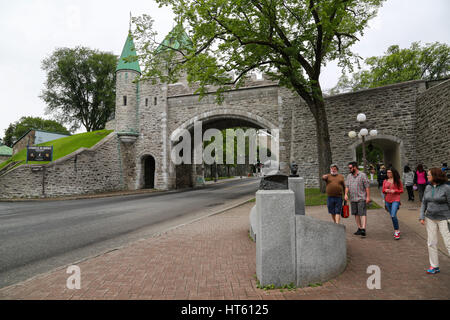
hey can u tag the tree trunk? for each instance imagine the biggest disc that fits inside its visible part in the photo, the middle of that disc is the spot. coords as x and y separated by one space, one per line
323 142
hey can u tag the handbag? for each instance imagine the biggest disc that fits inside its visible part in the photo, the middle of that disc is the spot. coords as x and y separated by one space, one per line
345 213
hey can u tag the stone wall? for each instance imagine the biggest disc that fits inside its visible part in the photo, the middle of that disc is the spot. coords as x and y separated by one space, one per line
390 109
4 158
27 140
433 126
84 171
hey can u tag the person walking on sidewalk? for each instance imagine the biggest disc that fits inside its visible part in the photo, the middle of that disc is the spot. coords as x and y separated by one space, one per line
392 188
381 176
420 180
435 213
408 181
358 185
335 186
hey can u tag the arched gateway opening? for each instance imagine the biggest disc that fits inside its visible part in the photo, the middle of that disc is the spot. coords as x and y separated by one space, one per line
148 163
381 149
188 175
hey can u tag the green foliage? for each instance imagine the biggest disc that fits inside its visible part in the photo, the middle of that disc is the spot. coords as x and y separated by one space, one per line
373 205
288 40
314 285
80 86
17 129
62 146
313 197
373 156
290 287
429 62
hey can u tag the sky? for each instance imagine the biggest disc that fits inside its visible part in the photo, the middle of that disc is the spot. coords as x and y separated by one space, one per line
30 30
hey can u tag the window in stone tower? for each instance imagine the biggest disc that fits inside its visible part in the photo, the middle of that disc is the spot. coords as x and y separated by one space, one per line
146 102
155 101
124 100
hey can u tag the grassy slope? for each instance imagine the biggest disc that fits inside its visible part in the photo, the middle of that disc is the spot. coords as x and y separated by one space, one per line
63 146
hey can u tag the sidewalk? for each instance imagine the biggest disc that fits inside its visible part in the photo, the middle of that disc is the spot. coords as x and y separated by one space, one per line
213 258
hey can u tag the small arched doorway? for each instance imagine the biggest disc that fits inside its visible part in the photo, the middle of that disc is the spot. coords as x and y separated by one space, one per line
149 172
390 149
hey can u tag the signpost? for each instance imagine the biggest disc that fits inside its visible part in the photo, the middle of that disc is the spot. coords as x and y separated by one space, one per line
39 153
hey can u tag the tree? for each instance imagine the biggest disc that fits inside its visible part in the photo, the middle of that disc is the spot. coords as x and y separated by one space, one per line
289 40
429 62
80 86
19 128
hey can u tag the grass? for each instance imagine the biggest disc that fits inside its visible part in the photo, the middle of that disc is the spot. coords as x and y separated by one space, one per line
62 146
219 178
313 197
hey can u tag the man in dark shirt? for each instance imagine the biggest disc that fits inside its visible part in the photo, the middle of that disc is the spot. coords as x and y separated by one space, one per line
335 187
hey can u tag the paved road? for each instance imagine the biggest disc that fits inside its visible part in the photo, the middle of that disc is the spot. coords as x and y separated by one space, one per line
38 236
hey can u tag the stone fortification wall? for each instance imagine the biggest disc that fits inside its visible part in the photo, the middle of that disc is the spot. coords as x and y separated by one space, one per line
84 171
433 126
390 109
27 140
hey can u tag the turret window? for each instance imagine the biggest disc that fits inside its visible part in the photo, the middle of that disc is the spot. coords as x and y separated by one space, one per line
155 101
124 100
146 102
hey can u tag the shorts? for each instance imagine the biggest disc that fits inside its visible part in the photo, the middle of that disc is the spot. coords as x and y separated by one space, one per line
334 205
359 208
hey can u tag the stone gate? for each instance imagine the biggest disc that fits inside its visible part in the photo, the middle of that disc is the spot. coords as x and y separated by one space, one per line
148 116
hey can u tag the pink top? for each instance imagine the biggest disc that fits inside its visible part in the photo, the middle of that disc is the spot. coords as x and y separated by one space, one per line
421 177
391 197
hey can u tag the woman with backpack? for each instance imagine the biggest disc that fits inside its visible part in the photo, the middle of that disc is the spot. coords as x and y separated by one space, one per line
420 180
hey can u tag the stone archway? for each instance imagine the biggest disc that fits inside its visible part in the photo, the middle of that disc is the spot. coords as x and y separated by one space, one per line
225 114
393 150
219 119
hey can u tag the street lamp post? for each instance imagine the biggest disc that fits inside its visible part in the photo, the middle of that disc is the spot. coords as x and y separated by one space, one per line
362 134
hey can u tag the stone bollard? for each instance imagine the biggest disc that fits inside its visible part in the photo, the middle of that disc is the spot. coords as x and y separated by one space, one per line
297 185
275 245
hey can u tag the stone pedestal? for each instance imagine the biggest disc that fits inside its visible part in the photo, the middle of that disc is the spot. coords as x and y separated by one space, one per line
275 244
297 185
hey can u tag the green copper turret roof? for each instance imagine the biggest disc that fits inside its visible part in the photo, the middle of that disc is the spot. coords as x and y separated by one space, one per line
5 150
177 38
129 50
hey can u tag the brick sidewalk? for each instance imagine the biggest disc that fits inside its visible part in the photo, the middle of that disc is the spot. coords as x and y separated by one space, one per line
214 258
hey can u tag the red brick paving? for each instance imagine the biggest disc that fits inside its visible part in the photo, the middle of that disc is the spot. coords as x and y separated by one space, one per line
213 258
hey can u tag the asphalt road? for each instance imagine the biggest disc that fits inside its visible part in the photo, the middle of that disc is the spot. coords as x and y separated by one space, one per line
39 236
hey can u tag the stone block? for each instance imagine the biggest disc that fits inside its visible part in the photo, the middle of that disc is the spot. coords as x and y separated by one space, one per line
275 228
297 185
253 221
321 250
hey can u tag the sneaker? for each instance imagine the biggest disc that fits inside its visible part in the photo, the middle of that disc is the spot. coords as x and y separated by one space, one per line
432 270
363 232
397 235
357 233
